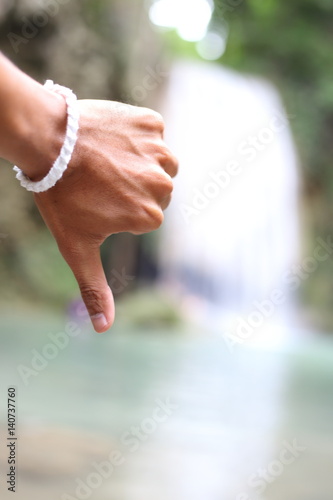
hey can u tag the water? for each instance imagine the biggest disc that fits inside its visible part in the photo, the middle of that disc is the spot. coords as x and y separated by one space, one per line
231 233
187 416
224 423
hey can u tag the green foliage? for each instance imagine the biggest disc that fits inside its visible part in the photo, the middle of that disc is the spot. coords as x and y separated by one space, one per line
148 308
84 46
291 43
45 269
90 46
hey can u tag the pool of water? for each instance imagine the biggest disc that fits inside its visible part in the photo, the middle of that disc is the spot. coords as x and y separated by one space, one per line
180 415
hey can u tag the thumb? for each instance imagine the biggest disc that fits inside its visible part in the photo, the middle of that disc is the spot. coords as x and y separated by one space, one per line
95 291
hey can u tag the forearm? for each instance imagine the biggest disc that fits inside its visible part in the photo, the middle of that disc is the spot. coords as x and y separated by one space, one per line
32 124
120 177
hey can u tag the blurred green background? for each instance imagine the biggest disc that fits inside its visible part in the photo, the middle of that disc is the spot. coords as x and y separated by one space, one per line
234 412
101 48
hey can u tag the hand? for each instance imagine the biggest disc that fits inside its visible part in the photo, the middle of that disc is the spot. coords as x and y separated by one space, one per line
119 179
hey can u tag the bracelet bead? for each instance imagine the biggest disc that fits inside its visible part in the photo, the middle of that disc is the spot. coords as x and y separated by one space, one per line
60 165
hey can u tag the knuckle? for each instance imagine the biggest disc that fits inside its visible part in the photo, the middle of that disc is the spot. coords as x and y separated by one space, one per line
158 117
155 120
167 185
157 219
164 155
167 160
164 183
153 218
166 202
175 164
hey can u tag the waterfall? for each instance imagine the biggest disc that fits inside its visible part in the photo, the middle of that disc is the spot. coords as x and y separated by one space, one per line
227 251
230 236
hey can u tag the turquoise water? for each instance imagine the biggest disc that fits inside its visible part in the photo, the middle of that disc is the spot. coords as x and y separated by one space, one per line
228 415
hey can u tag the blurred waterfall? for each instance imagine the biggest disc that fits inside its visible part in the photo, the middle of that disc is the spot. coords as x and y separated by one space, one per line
231 233
228 247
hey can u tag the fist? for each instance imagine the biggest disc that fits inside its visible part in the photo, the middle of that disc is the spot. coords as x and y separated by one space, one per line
119 179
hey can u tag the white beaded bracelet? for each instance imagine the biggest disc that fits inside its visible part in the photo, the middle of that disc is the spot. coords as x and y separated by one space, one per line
61 164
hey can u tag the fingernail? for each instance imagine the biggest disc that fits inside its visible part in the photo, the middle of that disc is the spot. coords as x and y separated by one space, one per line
99 321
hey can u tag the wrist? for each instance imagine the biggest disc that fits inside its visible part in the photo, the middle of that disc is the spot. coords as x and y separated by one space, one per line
58 168
33 122
41 133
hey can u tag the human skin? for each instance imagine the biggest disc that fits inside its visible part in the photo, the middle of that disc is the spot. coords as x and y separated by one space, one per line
119 177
